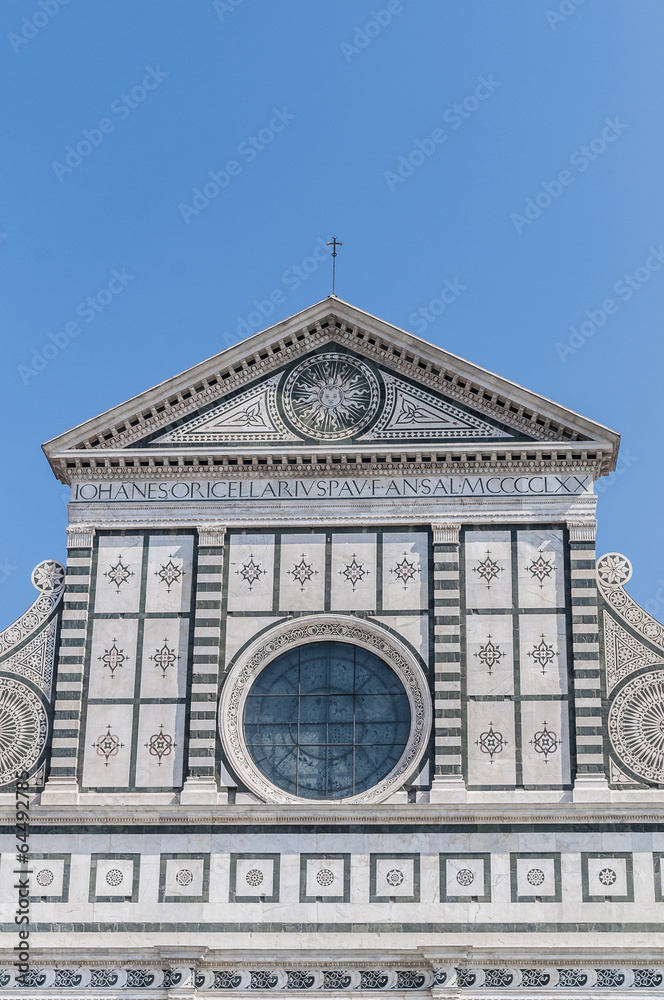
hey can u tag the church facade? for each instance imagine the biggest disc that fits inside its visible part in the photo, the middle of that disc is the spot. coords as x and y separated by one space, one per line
332 694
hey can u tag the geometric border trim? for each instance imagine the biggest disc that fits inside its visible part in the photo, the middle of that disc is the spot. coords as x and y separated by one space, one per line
94 858
204 896
444 858
304 898
557 875
415 898
64 898
319 628
276 878
629 876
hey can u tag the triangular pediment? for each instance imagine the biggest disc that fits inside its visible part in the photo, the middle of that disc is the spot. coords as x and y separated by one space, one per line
331 377
333 395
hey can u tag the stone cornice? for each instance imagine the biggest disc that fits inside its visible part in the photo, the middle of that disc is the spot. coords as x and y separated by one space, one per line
517 408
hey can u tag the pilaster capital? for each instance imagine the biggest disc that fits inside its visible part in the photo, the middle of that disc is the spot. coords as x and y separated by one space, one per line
446 532
582 531
211 534
80 536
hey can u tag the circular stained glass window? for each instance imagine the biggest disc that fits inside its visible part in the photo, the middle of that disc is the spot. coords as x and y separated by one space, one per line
326 720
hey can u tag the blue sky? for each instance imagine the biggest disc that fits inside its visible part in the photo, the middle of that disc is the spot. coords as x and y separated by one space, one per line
540 195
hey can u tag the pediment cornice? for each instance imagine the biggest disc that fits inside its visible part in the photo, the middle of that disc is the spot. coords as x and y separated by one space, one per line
534 420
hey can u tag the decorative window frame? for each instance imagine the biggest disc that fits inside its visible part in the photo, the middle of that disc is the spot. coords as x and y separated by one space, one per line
323 628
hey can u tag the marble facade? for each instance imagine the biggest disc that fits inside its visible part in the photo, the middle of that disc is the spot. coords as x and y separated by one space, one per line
334 484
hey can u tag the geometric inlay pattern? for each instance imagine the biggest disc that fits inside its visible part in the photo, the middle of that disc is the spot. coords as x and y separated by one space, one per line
624 653
23 728
330 396
636 725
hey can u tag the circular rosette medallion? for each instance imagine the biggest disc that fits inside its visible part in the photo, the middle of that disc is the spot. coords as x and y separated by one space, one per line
636 726
330 397
23 728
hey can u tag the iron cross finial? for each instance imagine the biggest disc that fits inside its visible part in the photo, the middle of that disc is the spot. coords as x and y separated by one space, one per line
334 244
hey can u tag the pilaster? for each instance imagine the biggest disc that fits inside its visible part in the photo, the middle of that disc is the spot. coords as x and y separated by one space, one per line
62 783
448 782
590 779
201 785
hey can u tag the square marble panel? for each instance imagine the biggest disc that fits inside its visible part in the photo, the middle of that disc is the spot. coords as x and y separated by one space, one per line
168 584
164 658
119 573
325 877
353 582
159 746
107 746
413 628
464 876
302 572
491 744
114 878
184 878
113 658
536 876
541 569
543 654
241 630
545 758
607 875
250 573
488 567
50 877
489 654
254 877
394 876
405 571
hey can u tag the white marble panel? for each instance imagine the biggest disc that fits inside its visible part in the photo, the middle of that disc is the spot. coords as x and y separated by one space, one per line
302 572
541 569
545 759
47 876
251 573
325 877
168 584
240 630
113 658
119 571
464 876
543 654
488 565
159 746
491 743
535 877
414 629
108 733
254 877
164 658
184 877
395 877
405 571
490 656
115 877
607 877
353 583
